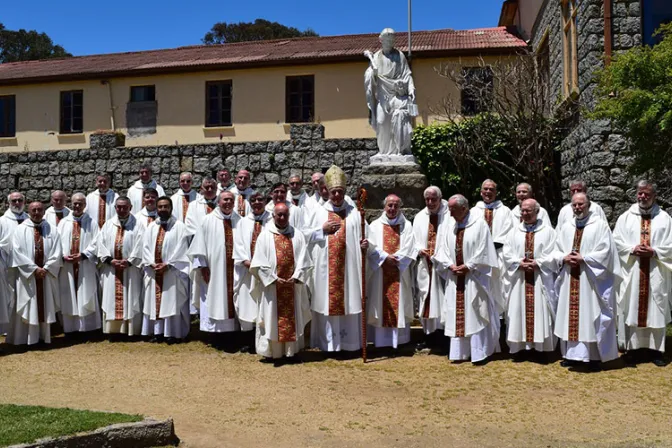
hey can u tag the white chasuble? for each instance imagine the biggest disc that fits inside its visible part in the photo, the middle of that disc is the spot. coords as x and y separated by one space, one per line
284 309
100 206
337 280
35 245
296 214
54 217
78 281
135 194
499 220
429 233
165 293
245 242
181 202
8 224
470 314
196 213
530 295
645 293
122 289
567 214
585 320
213 247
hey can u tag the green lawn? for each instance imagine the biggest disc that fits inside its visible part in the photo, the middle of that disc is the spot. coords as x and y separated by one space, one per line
23 424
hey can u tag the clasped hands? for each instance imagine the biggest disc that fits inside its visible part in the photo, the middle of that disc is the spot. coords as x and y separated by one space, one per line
460 270
644 251
574 259
527 265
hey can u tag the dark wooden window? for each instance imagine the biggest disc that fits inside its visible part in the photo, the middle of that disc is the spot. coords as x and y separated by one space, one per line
7 116
72 112
654 14
218 103
142 93
544 72
300 99
477 90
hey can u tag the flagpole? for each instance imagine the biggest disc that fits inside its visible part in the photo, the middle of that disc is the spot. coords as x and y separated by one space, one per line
409 32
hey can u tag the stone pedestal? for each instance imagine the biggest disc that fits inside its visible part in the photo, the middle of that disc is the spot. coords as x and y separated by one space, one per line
406 180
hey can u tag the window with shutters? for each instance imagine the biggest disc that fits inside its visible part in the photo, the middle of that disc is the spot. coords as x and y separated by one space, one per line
72 112
300 99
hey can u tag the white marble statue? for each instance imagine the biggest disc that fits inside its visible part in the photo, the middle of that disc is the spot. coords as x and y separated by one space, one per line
390 95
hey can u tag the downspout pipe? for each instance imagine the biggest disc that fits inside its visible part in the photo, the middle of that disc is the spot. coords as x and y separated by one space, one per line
607 32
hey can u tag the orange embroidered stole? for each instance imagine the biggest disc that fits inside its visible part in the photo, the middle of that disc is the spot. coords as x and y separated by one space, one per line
158 276
102 207
39 282
336 253
644 272
431 246
255 236
228 243
284 255
529 289
74 249
391 285
241 205
460 287
488 218
574 290
119 275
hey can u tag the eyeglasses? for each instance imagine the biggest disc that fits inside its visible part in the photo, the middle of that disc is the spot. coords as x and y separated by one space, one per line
16 200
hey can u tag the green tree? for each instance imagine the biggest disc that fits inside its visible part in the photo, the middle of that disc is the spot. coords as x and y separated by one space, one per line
635 93
25 45
260 29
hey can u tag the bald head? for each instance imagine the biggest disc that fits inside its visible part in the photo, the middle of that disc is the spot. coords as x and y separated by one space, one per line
281 215
242 180
529 211
36 211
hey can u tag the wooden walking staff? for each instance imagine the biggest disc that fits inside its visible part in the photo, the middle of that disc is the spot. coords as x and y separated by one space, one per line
361 201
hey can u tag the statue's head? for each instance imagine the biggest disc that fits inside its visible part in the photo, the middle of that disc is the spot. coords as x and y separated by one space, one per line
387 39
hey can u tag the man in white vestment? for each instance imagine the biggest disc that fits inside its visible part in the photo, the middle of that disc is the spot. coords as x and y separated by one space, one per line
314 198
223 180
296 195
391 255
245 241
136 193
586 318
58 210
466 261
390 93
429 228
9 221
524 191
78 277
335 235
184 197
166 266
36 254
500 221
148 214
279 196
100 202
119 248
214 272
643 237
567 213
529 276
242 191
282 267
202 206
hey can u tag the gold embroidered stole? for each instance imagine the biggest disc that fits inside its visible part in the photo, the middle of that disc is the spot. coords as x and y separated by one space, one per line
284 255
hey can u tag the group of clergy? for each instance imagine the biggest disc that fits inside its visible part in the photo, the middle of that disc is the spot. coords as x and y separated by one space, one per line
141 263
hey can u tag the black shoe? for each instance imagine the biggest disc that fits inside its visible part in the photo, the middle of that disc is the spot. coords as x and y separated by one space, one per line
594 366
480 363
629 358
171 341
566 363
421 346
519 357
660 361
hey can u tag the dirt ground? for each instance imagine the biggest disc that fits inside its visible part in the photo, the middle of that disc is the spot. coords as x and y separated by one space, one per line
220 399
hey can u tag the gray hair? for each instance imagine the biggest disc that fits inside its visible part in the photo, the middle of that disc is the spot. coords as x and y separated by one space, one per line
15 192
401 203
57 192
433 188
460 200
537 207
489 181
186 173
78 195
123 198
643 183
584 187
293 175
525 184
208 180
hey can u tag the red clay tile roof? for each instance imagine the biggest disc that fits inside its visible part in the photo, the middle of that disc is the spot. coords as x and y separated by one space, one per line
308 50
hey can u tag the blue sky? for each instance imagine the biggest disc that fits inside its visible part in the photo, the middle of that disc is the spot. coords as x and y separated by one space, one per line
131 25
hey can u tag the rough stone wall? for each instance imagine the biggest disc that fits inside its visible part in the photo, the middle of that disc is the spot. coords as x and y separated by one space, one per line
591 150
36 174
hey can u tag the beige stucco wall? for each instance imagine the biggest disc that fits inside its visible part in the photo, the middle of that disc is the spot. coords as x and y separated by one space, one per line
258 105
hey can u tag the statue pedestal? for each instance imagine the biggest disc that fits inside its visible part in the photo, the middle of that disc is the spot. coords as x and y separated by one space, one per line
381 159
403 179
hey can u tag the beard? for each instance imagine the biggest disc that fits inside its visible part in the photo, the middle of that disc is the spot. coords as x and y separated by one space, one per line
165 216
16 209
581 215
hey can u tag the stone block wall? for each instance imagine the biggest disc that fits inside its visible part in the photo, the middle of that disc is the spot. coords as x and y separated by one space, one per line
591 150
36 174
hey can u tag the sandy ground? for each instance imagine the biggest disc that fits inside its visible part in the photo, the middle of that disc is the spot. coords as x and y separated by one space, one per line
219 399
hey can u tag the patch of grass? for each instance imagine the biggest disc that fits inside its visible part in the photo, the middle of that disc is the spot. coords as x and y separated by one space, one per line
23 424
